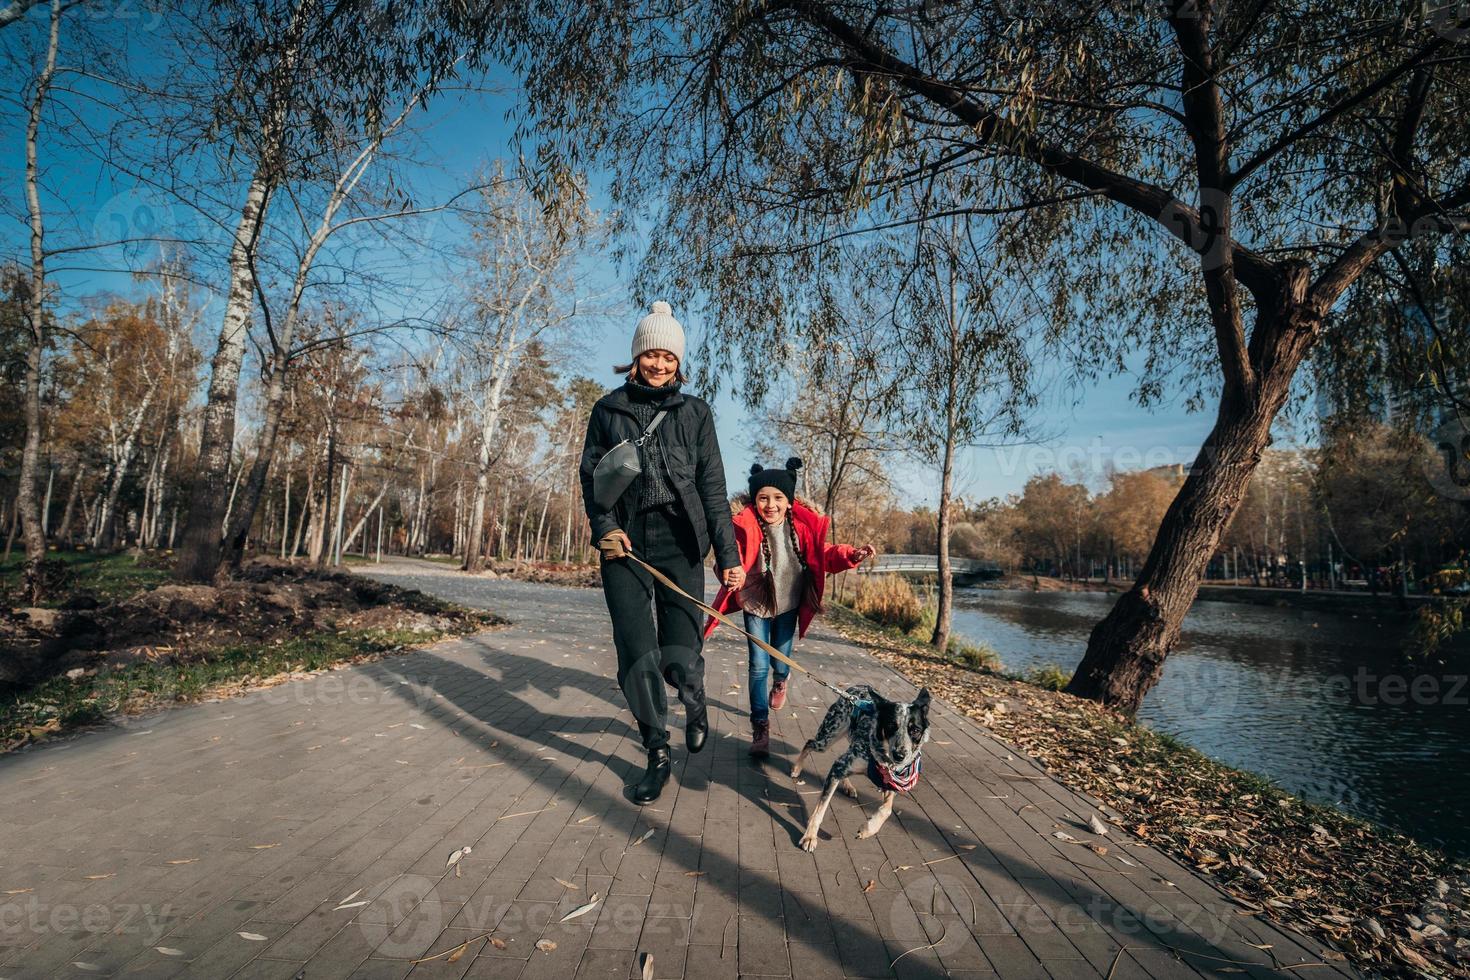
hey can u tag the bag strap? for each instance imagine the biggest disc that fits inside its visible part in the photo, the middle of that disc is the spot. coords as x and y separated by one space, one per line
651 426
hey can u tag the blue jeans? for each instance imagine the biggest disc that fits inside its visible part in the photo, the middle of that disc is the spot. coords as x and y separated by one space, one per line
779 633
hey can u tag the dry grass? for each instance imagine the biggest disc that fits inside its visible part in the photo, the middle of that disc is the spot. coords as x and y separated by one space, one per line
889 600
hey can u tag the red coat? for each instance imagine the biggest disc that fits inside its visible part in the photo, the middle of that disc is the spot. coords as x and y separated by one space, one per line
811 532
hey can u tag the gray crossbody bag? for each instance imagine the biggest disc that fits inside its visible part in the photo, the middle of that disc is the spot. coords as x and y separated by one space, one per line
619 467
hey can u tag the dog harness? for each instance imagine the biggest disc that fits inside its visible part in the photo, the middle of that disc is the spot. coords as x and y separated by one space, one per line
885 777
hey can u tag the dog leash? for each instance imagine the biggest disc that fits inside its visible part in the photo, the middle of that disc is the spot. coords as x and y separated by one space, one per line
711 610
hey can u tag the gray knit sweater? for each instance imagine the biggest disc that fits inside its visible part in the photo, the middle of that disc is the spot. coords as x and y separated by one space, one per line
652 487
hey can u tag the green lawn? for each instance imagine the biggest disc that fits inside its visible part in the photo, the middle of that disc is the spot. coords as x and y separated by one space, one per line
109 576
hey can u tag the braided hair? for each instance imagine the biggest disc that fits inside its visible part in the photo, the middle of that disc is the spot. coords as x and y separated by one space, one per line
790 529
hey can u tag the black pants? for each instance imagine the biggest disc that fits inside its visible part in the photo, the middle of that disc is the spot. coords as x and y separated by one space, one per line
658 635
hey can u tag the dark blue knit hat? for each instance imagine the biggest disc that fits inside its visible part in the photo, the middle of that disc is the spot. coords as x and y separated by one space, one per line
783 480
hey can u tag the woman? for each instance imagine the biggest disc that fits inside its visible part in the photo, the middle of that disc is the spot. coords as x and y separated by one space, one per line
669 516
784 551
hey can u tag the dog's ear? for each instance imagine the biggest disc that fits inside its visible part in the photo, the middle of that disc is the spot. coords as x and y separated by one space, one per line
920 707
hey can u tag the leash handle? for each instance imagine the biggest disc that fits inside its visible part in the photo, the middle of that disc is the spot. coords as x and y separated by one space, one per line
711 610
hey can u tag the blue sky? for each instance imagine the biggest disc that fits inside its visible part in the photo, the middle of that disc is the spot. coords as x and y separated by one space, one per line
1092 426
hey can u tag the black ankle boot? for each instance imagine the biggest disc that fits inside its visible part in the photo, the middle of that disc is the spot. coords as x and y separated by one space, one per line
697 729
652 783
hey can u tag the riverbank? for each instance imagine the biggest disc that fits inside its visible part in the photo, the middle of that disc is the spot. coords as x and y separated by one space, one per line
1330 600
1393 905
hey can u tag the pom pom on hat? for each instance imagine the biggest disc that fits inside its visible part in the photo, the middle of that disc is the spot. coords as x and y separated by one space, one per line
659 306
782 479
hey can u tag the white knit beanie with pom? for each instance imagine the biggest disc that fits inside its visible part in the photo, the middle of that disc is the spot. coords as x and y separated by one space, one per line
659 331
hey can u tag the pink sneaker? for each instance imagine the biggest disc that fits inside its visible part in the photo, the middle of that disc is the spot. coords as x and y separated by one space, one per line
778 695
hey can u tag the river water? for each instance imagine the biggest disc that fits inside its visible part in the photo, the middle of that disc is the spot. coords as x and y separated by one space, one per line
1321 703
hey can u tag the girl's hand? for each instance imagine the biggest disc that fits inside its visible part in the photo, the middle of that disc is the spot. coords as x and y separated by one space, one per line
863 554
733 578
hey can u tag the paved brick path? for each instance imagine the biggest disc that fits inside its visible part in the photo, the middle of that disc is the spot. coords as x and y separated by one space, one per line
150 850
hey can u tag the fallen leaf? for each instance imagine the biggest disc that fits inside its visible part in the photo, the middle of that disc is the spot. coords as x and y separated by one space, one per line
545 945
582 909
590 816
1097 826
869 886
643 838
566 884
89 967
454 858
264 847
182 861
352 905
110 874
454 957
254 937
497 942
19 891
695 874
1062 835
1097 849
169 951
647 970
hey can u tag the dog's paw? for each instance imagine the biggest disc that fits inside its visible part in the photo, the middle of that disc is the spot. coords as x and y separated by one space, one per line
865 833
849 791
809 842
796 772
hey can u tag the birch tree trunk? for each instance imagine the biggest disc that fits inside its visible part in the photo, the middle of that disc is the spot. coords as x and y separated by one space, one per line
474 559
199 552
63 533
28 507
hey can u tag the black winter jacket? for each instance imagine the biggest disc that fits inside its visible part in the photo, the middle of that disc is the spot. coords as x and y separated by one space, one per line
690 450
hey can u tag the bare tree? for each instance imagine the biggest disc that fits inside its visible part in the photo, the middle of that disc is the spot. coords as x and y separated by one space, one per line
519 290
965 353
288 75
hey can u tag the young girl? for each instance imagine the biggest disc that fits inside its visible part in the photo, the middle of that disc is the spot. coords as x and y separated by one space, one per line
786 558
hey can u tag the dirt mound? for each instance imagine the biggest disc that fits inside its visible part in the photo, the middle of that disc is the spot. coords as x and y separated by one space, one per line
266 601
552 573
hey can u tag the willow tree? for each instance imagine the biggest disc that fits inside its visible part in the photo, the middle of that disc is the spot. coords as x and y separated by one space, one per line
1199 189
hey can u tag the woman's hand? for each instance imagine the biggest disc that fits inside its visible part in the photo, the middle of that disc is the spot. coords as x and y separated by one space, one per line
733 578
862 554
615 544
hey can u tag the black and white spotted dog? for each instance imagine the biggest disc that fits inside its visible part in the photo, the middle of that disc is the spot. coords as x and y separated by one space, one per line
888 735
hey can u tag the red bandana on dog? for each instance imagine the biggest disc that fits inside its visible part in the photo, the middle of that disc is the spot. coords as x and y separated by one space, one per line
899 780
